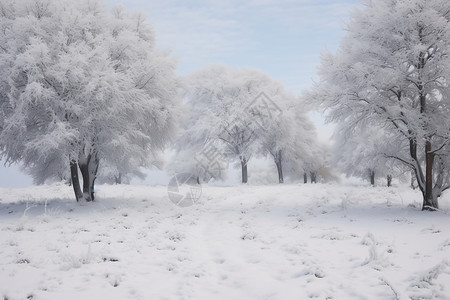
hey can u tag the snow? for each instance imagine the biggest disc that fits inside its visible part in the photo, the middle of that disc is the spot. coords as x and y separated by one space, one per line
323 241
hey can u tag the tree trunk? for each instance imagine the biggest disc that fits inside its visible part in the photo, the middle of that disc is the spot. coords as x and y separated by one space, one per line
313 177
93 169
280 172
89 168
413 180
244 170
429 197
279 167
429 201
372 177
118 178
305 178
439 183
75 181
85 174
389 180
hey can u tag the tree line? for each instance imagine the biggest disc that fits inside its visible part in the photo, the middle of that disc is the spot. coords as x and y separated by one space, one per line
238 113
85 92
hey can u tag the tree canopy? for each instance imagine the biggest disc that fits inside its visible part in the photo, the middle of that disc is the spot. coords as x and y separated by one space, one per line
80 88
237 113
392 71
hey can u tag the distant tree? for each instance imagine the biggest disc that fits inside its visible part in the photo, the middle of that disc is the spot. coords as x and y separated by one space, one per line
205 161
79 88
238 113
365 151
393 70
289 137
196 148
315 164
389 180
219 126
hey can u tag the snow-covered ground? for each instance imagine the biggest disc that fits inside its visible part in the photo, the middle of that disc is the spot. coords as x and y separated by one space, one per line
321 241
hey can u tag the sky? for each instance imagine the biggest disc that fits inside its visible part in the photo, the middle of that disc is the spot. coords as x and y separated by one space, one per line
283 38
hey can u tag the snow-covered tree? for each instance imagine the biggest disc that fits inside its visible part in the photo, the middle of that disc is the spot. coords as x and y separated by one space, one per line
237 113
205 161
289 138
80 88
365 151
218 127
393 70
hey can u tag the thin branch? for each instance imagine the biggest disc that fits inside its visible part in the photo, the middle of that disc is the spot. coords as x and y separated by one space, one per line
400 159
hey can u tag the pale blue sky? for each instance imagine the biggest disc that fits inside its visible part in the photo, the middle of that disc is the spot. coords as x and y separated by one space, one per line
281 37
284 38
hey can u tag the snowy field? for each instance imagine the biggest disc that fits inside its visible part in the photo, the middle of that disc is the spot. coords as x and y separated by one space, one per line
321 241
